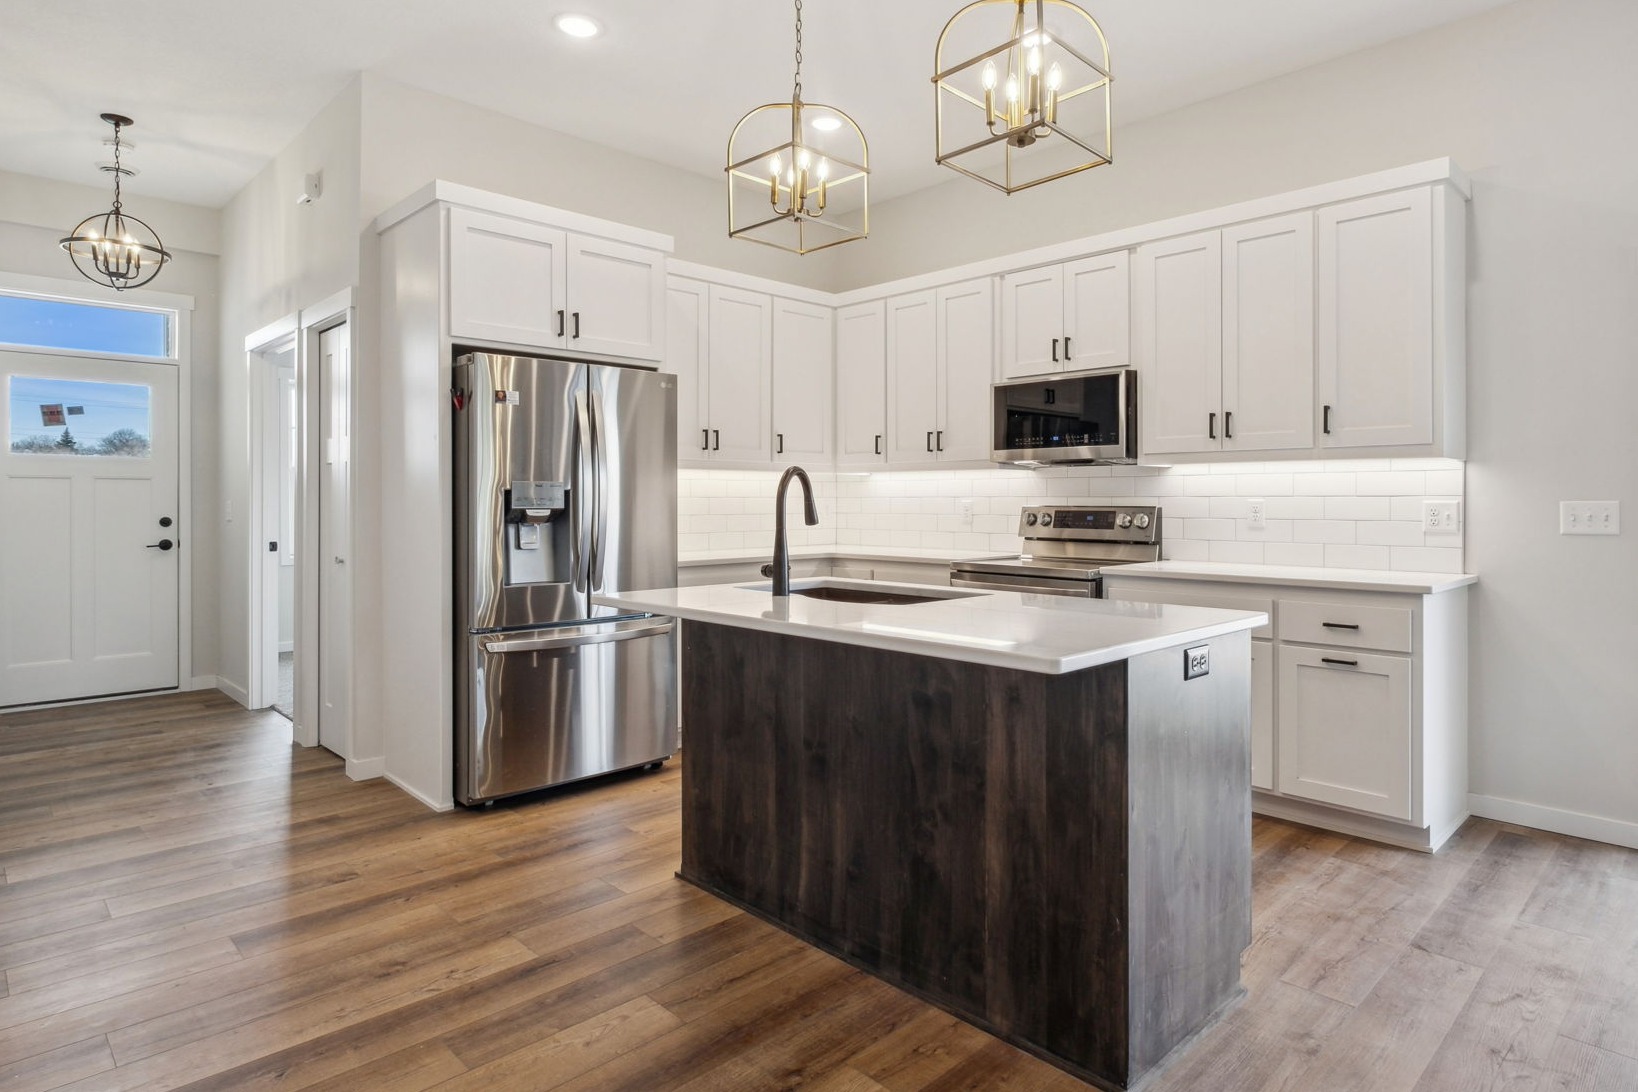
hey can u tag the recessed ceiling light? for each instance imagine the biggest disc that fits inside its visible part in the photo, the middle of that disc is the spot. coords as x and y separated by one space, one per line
827 123
579 26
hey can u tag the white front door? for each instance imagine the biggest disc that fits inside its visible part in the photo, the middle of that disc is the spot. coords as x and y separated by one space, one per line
89 528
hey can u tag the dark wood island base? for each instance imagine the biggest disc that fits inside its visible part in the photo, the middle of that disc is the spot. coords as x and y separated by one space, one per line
1061 860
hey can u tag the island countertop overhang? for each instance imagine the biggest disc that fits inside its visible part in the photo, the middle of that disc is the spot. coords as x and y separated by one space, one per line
1046 634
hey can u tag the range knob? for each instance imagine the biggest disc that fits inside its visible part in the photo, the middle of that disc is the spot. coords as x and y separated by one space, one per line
1142 521
1046 519
1124 520
1030 519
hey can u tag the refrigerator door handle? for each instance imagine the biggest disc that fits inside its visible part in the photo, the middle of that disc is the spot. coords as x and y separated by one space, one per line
601 460
586 505
580 636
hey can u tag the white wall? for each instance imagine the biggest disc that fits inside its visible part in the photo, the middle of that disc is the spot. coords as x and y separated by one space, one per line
1533 100
34 214
277 257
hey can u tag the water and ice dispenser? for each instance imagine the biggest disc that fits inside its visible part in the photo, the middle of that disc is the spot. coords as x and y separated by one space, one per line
538 539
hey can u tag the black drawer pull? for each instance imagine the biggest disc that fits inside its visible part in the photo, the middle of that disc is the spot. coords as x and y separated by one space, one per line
1343 663
1340 625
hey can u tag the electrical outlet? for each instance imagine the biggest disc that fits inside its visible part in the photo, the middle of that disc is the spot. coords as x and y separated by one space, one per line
1589 517
1254 514
964 508
1196 662
1441 517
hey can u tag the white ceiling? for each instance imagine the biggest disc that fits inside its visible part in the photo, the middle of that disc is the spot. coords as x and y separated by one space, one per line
218 87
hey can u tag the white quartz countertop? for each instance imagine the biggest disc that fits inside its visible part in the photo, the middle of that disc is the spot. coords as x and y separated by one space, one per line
1297 576
808 553
1054 635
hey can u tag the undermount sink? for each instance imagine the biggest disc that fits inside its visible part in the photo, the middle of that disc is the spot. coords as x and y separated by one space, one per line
834 590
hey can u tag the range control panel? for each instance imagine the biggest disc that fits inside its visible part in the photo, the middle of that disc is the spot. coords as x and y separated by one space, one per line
1126 523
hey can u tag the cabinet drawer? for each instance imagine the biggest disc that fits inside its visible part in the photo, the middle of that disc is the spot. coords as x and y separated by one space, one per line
1184 595
1346 625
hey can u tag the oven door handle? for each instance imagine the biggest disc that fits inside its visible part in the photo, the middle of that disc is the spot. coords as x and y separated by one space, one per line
1084 589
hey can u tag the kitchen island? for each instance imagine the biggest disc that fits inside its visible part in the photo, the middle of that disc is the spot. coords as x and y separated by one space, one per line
1016 807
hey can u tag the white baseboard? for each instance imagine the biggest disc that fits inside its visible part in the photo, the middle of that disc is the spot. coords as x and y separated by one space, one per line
367 769
234 691
447 805
1596 828
202 682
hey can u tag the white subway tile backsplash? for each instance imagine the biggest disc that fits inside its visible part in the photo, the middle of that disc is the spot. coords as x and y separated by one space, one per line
1363 513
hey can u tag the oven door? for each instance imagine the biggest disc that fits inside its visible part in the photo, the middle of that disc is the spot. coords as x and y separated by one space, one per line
1026 585
1077 418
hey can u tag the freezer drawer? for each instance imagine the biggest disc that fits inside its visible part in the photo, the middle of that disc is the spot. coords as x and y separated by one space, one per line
545 707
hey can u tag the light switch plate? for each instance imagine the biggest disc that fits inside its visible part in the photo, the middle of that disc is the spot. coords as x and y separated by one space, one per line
1441 517
1589 517
1196 662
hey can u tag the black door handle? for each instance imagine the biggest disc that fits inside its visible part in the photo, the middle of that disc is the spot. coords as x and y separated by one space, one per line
577 324
779 448
878 443
1228 424
162 544
705 439
716 439
1327 419
1066 346
560 324
929 441
1211 426
941 440
1055 350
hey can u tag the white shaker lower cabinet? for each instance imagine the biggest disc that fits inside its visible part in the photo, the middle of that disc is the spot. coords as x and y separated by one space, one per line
1358 703
1347 729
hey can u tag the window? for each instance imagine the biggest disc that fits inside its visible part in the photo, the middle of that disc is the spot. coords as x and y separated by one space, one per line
76 417
36 322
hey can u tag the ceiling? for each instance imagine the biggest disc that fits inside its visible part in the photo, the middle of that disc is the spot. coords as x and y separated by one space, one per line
218 88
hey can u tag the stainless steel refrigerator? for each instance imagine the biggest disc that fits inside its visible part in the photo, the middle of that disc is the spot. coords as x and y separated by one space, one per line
565 485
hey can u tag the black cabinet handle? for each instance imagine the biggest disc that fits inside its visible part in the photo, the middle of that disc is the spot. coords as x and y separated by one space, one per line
705 439
878 443
780 448
1228 424
1066 346
941 440
1211 426
1340 625
716 439
577 324
162 544
1327 421
1055 350
560 324
1342 663
929 441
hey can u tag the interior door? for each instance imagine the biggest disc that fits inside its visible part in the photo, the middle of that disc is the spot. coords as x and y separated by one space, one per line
90 540
335 676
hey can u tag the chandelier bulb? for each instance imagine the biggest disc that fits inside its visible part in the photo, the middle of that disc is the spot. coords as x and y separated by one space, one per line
824 169
989 76
1012 88
1035 61
1055 77
774 166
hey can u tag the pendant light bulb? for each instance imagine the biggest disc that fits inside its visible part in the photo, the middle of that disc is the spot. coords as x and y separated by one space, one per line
1012 88
773 166
824 169
1035 61
1055 77
989 76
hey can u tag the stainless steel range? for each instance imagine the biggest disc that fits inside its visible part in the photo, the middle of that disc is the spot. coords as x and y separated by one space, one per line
1066 548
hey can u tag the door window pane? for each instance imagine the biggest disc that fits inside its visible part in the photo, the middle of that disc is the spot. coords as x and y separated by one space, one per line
84 327
75 417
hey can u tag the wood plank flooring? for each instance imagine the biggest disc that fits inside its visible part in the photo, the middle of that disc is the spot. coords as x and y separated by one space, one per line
189 901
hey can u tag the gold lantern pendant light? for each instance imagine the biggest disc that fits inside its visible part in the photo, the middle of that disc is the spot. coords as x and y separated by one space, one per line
1033 107
806 187
114 247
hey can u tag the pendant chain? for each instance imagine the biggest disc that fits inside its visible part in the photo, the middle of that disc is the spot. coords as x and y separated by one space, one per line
117 170
796 94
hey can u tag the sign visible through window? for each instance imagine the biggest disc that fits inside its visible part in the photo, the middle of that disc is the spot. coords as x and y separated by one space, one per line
76 417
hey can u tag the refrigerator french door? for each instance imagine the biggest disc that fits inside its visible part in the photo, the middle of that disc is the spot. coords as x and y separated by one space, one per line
565 485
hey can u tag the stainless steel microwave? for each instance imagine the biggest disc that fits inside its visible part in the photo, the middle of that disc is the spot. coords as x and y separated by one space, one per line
1078 417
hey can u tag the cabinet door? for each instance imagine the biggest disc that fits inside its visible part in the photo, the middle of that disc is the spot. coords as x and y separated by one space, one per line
966 369
861 384
506 280
1032 322
1376 321
616 299
1345 729
686 354
1098 312
802 366
912 378
1268 334
1262 715
1180 344
739 387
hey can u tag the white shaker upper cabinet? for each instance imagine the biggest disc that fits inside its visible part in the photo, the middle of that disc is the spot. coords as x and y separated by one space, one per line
1179 308
1032 322
966 366
1098 312
912 378
738 390
687 353
1268 334
861 384
616 299
802 396
507 280
1376 321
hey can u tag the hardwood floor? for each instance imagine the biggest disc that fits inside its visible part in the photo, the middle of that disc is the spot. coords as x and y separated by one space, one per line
187 900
